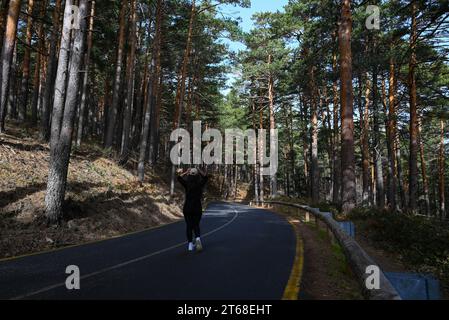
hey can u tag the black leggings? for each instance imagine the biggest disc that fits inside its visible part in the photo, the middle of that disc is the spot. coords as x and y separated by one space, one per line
192 225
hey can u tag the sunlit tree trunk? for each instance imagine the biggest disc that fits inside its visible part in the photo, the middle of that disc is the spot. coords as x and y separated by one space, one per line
401 187
366 176
314 174
6 57
38 65
260 153
64 113
305 145
423 170
380 192
50 74
26 63
113 110
12 91
84 85
130 78
273 178
324 105
391 135
255 169
347 122
157 100
180 91
292 157
152 84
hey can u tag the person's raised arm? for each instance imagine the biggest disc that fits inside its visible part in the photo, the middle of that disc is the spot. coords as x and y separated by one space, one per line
204 176
202 172
181 173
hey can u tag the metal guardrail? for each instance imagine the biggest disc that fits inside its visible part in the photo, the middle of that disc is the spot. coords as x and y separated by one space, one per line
358 259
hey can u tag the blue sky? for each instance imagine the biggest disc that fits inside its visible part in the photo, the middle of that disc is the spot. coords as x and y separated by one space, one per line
246 13
246 24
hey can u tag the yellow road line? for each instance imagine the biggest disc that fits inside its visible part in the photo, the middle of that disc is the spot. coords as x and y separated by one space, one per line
293 286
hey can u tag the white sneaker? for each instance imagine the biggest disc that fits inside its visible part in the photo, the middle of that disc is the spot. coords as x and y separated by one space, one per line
198 244
191 246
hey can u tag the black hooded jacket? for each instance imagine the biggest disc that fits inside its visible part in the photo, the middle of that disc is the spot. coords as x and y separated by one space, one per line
193 185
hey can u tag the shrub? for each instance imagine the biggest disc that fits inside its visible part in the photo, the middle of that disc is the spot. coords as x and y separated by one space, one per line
422 243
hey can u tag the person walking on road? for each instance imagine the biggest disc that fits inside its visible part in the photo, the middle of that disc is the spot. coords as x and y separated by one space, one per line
193 180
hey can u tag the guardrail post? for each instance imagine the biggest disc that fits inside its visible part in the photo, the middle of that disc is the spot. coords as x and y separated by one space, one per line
307 218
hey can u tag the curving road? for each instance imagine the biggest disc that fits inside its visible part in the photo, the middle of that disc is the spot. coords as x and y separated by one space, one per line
248 254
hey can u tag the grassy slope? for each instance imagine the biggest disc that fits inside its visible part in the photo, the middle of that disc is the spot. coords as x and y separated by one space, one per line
102 199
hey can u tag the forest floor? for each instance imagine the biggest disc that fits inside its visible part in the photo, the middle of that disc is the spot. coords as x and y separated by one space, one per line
103 200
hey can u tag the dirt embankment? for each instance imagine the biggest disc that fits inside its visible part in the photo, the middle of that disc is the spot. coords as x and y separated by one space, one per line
102 199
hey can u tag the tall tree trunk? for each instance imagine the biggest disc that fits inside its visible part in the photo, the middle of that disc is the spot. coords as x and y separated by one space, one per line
64 116
380 193
423 171
3 17
347 113
150 87
314 174
273 178
336 176
180 91
413 160
26 63
292 157
50 76
12 91
255 169
140 93
82 108
61 75
261 152
6 58
157 99
38 65
113 110
401 188
130 78
441 166
391 136
305 145
291 172
366 175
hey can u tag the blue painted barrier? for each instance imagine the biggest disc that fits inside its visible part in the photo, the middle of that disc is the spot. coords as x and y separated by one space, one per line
327 214
414 286
348 227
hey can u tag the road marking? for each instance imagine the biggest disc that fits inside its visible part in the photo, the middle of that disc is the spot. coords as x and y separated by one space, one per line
292 288
89 242
117 266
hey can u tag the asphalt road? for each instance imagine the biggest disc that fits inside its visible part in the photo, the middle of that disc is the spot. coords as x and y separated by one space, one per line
248 254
